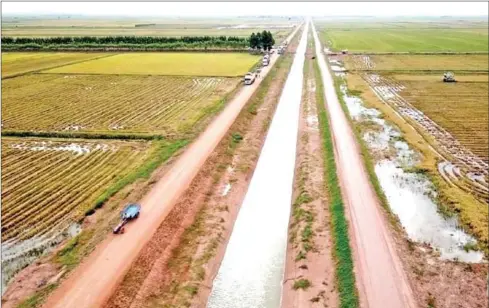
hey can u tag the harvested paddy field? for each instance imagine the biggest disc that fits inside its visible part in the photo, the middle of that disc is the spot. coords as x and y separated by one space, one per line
166 63
407 40
47 183
462 108
50 186
460 62
156 104
16 63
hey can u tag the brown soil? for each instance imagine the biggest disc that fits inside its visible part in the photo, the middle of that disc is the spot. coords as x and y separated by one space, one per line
177 266
443 284
309 258
28 281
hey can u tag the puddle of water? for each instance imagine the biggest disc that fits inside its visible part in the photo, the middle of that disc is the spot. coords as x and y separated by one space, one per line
312 121
409 198
116 127
410 195
226 189
356 108
476 177
252 269
74 127
17 255
336 68
78 149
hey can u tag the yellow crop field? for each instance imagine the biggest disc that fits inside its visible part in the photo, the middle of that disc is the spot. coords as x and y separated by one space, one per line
166 63
418 62
47 183
16 63
131 103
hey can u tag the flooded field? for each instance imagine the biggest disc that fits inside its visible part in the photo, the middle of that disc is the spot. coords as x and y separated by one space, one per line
411 196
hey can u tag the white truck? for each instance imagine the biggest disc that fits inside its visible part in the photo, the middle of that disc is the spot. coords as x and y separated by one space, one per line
249 78
266 60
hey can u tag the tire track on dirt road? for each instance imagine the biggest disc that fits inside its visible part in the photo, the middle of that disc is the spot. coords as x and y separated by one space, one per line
380 276
92 283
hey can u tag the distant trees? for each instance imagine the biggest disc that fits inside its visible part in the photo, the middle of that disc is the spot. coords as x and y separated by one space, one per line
126 42
263 40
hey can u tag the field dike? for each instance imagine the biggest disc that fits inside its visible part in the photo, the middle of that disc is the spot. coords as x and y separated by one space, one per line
345 277
310 269
437 251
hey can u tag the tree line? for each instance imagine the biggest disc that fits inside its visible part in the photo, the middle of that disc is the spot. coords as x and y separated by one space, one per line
119 39
260 40
131 42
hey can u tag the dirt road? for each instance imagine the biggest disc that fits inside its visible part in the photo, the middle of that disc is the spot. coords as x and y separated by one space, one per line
91 284
381 279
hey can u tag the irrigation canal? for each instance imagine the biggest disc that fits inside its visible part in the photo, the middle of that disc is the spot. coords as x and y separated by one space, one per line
252 270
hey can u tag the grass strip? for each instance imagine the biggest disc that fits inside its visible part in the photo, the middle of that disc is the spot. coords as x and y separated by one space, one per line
342 251
163 151
38 299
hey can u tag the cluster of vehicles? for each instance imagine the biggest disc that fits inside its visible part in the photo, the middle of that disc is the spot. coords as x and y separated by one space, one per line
251 76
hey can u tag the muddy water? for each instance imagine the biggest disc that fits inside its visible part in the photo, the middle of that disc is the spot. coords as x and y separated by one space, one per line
410 195
252 270
18 254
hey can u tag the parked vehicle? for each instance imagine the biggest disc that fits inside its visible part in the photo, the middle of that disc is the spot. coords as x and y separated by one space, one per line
249 78
130 212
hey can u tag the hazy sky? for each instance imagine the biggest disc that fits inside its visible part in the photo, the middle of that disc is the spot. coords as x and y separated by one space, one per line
249 8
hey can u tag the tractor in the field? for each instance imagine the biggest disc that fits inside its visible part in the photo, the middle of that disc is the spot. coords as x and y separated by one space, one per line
130 212
449 77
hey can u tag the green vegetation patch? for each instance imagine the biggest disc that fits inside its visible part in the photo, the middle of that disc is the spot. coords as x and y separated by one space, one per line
339 226
407 40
